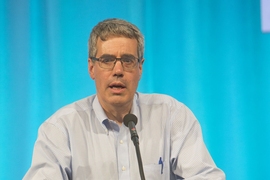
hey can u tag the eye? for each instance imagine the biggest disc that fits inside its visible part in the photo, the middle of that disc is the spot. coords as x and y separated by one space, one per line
107 59
128 60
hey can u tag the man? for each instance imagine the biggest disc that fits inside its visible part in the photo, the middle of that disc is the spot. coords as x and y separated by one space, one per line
88 140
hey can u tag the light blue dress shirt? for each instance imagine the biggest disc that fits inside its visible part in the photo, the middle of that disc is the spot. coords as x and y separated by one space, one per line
79 142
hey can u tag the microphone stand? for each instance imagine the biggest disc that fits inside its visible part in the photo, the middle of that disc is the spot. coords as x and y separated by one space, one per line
130 120
135 139
139 160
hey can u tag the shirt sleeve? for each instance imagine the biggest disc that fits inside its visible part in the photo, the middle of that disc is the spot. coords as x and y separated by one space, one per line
190 158
51 156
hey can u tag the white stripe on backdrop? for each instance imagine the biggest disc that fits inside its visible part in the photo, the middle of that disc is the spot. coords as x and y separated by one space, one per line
265 14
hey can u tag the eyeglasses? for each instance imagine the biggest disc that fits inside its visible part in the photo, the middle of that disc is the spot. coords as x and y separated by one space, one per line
108 62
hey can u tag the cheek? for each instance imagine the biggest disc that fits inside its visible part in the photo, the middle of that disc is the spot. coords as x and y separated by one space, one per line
101 79
136 80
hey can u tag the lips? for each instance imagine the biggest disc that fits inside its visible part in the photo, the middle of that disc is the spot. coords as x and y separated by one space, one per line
117 85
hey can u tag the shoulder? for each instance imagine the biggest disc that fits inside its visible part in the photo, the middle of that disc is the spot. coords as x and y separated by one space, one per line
161 99
68 116
78 107
165 103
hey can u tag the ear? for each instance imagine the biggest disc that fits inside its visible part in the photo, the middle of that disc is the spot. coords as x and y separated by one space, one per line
91 68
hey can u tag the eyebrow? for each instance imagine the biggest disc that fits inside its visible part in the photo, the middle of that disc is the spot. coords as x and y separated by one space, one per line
122 55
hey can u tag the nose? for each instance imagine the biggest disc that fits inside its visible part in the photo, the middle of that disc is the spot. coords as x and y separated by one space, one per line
118 68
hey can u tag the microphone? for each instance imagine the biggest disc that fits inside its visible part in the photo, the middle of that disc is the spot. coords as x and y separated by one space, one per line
130 120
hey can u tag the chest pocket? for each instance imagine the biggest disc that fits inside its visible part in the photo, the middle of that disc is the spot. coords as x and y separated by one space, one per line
153 171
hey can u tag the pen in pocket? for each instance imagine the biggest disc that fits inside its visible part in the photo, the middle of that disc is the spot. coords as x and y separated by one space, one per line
161 163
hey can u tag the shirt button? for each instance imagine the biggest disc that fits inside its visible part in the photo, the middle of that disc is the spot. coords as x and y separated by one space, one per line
123 168
121 141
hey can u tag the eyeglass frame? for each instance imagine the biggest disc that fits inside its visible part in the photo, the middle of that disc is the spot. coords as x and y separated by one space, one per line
115 60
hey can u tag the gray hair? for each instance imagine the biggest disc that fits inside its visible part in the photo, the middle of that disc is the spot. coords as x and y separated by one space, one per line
115 28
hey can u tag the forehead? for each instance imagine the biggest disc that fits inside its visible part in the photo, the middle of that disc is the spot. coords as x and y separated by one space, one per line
117 46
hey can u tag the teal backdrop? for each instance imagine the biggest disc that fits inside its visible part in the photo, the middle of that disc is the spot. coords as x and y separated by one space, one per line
210 55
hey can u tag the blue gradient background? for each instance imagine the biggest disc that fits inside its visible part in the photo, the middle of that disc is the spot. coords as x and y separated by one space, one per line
210 55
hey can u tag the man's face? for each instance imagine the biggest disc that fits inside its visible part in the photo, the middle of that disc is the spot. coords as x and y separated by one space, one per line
115 87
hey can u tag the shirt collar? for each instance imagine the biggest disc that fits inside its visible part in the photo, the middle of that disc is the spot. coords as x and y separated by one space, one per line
102 117
100 114
135 106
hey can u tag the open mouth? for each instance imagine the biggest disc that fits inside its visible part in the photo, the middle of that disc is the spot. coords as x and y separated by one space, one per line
117 86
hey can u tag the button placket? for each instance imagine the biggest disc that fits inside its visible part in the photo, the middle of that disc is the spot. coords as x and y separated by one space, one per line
123 154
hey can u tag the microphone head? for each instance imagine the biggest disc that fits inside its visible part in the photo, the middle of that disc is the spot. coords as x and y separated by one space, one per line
130 117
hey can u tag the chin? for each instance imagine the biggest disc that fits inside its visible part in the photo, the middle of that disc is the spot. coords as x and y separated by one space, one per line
119 100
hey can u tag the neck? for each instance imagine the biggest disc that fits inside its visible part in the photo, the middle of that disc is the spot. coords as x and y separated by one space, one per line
117 113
